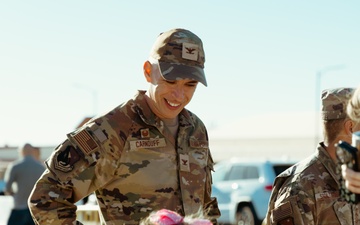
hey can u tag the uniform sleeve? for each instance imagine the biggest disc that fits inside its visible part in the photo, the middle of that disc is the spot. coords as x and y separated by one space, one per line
77 167
53 197
289 208
211 205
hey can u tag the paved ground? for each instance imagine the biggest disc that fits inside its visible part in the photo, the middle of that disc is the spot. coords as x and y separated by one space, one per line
6 205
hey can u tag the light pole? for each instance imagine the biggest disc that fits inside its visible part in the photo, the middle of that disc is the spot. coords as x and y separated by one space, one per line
319 74
93 93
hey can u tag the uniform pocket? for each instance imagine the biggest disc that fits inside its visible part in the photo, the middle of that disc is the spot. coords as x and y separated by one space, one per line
343 212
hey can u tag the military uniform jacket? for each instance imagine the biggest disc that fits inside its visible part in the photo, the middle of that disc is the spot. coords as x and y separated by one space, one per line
134 165
308 194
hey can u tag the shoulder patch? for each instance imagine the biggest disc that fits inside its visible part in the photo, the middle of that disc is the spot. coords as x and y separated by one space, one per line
85 141
283 214
65 160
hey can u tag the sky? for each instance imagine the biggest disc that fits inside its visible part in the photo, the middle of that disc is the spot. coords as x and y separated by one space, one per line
61 61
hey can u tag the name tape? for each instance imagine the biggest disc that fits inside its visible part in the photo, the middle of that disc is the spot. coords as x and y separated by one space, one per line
152 143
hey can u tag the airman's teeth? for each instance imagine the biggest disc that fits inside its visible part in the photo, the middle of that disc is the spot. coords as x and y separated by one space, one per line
173 104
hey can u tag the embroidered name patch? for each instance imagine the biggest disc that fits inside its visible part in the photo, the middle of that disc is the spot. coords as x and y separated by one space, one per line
325 195
151 143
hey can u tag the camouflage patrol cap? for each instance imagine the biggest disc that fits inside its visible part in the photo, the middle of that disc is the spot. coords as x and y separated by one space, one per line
334 102
180 54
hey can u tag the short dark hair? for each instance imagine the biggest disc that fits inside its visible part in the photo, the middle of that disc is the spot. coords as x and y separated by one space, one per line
332 128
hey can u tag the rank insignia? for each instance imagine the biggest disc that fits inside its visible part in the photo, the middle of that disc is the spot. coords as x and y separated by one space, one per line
190 51
184 163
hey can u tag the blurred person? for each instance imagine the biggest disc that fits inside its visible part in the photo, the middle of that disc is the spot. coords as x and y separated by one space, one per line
147 154
168 217
20 178
351 177
309 192
36 154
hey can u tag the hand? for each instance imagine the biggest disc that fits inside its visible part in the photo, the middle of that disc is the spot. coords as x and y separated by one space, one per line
352 179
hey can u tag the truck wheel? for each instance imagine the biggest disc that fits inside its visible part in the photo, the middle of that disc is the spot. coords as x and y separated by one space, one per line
245 216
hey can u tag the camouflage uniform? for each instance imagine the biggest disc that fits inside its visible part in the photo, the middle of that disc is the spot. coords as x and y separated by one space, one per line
309 192
133 164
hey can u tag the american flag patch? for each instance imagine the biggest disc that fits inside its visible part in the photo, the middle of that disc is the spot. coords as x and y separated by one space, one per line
85 141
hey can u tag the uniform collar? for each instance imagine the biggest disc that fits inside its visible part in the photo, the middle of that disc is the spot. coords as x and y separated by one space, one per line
324 157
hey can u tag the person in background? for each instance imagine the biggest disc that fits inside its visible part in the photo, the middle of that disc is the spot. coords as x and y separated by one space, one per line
147 154
20 178
309 192
352 178
36 154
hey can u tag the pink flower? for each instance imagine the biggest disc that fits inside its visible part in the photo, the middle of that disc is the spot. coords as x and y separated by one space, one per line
166 217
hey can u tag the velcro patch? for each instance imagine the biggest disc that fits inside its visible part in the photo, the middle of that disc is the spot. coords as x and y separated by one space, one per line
145 133
190 51
100 135
85 141
151 143
325 195
282 213
184 162
65 160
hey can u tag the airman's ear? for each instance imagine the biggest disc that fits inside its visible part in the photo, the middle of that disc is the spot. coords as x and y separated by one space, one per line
147 71
349 124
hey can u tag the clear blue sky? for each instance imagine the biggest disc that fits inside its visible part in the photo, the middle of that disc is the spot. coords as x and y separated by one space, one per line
63 60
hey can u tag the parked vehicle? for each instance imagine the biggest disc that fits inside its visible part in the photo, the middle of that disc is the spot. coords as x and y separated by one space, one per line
2 187
243 188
